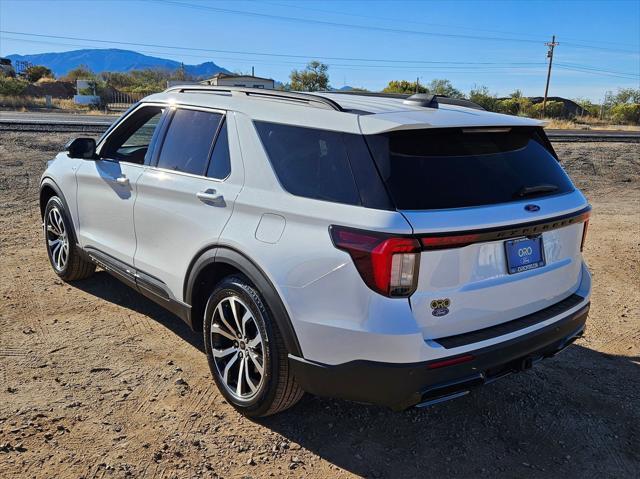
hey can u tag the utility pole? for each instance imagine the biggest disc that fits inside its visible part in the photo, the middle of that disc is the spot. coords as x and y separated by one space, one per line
417 84
551 46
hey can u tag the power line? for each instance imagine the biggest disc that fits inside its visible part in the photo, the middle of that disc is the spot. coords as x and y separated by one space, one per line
595 69
441 25
211 50
443 66
582 70
371 27
334 66
339 24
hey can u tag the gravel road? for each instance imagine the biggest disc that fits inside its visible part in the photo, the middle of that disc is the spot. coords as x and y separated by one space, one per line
98 382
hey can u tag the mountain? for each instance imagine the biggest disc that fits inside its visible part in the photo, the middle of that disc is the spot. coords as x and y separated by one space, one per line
113 60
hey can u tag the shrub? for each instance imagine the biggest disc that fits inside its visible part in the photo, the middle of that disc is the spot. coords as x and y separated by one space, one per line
554 109
626 113
12 86
515 106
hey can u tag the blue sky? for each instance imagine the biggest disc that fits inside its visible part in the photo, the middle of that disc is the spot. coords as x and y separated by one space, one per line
499 43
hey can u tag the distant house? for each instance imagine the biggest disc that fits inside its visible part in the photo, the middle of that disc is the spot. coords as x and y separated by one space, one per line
247 81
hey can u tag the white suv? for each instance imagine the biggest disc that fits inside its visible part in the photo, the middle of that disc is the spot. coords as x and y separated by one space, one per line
388 250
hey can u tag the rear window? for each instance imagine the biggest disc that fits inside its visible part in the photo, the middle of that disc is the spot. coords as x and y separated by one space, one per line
455 167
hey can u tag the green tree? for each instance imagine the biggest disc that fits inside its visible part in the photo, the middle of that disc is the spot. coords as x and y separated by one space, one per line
483 97
627 95
313 78
588 108
35 72
626 113
404 86
443 87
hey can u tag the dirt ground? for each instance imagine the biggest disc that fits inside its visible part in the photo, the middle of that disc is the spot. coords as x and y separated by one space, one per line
90 372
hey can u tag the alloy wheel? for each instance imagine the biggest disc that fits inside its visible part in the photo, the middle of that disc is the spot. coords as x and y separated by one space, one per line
237 348
57 238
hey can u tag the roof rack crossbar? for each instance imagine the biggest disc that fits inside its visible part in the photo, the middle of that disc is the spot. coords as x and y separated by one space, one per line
259 92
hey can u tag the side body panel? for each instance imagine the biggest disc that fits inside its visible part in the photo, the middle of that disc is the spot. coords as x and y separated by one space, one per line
61 174
105 207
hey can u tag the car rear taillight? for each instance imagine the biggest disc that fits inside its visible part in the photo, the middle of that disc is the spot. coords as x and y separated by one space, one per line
388 264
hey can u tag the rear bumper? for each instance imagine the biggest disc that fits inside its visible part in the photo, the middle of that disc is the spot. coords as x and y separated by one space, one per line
400 386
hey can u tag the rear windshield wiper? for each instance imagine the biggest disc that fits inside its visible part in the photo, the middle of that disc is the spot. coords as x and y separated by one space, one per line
535 190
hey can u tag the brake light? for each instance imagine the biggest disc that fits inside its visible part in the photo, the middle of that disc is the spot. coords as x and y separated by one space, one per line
388 264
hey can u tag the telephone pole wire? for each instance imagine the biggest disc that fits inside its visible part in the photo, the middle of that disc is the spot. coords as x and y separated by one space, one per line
551 46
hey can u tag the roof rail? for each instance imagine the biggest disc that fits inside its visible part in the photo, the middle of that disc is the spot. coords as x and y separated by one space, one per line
417 99
301 97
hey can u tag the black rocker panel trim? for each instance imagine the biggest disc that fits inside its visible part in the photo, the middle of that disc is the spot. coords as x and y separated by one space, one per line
149 286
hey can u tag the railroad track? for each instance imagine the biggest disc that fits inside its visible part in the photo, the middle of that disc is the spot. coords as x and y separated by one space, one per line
100 125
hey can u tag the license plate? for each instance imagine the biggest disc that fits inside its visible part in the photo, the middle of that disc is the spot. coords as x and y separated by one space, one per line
524 254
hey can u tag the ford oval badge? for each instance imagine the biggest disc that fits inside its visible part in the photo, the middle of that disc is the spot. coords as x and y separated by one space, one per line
532 208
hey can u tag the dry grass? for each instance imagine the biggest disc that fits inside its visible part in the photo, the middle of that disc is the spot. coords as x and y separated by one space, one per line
26 103
586 123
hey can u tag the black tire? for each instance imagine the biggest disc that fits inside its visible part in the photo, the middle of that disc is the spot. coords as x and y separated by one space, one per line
75 266
277 390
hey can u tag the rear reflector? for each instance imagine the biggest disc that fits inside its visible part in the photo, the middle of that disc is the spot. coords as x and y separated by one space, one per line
450 362
584 234
388 264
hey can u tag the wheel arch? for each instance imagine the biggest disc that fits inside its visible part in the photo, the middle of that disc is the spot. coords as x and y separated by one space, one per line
217 262
48 189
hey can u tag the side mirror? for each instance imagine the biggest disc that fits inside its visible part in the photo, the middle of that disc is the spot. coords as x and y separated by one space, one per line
84 148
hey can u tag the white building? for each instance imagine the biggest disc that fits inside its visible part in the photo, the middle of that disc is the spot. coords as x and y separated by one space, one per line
248 81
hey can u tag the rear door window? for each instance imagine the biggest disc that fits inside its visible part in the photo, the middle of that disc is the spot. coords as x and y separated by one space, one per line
310 162
455 167
220 164
189 140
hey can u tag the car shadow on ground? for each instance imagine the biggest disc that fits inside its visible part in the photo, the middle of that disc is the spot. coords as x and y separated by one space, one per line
108 288
573 415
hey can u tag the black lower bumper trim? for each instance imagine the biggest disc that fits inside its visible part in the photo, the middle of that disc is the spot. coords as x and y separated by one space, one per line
527 321
403 385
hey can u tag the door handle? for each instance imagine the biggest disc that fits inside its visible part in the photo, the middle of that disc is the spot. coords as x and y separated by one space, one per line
211 196
122 180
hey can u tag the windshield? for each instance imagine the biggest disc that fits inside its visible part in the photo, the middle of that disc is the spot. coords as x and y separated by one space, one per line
460 167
